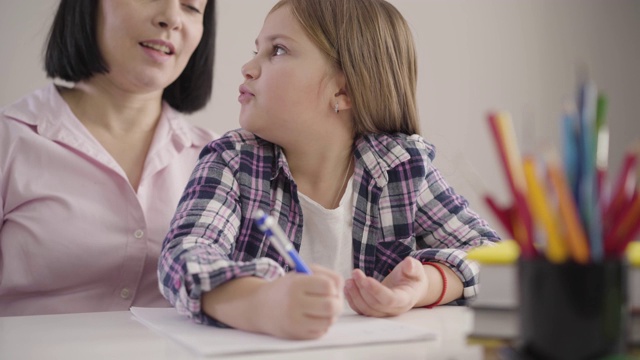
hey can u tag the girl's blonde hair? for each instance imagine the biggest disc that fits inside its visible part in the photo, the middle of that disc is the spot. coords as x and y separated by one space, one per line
371 43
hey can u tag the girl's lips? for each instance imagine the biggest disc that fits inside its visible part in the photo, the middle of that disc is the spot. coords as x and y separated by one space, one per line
244 89
245 98
245 94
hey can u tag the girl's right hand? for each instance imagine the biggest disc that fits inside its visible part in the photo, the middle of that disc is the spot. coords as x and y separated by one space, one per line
301 306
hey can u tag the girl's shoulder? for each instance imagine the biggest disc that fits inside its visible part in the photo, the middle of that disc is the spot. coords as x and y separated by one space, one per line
240 139
236 142
400 145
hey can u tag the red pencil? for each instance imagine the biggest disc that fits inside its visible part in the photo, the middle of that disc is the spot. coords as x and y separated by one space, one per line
504 215
626 228
622 189
511 162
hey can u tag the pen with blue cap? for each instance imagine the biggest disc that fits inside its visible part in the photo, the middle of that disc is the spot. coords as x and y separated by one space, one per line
269 226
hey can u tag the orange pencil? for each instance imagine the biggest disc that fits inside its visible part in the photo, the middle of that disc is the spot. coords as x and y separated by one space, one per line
575 234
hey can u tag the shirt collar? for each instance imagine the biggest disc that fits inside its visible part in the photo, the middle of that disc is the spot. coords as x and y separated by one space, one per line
377 153
182 131
281 163
42 109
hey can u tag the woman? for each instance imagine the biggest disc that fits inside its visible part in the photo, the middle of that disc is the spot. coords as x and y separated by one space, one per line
91 175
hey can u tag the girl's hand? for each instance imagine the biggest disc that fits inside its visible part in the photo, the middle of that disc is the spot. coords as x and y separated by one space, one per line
399 292
300 306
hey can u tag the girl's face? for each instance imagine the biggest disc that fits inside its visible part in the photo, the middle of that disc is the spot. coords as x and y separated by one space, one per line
146 44
290 85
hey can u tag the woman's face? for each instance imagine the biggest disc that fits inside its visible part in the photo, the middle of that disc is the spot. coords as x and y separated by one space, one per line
146 44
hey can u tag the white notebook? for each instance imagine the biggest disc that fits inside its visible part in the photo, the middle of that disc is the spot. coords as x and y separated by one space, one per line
207 340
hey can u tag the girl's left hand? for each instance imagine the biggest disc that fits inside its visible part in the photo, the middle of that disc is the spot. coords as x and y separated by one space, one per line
399 292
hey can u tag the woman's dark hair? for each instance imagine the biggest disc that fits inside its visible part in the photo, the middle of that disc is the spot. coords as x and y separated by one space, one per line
72 54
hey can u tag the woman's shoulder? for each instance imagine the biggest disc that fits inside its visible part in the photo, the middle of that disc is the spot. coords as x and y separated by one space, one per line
27 116
41 105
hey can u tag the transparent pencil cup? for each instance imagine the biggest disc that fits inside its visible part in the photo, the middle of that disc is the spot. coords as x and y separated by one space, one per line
570 311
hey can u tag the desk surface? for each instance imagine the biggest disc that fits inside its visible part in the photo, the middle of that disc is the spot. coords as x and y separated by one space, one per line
117 335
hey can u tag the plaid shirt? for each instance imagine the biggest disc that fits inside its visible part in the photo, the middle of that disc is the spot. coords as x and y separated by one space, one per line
402 207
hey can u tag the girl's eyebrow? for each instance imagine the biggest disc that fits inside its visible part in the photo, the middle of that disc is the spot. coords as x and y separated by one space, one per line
275 37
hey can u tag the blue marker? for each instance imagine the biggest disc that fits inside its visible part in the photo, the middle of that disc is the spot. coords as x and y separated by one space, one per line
269 226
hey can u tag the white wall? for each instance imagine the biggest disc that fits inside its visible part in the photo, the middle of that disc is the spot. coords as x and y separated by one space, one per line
474 56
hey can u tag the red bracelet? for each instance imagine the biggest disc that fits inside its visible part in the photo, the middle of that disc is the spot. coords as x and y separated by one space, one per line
444 284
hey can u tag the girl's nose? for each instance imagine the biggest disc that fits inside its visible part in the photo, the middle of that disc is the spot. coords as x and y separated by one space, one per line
250 70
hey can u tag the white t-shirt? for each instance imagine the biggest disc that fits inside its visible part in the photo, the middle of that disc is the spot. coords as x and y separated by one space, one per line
327 233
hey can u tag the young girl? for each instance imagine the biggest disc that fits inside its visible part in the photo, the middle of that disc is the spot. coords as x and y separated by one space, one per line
328 146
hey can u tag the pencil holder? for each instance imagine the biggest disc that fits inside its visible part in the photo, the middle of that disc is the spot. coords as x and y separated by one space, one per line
570 311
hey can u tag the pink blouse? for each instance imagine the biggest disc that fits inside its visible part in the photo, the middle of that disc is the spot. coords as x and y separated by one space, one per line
75 236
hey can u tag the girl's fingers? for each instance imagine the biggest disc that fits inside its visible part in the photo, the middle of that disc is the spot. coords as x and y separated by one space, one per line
358 302
377 295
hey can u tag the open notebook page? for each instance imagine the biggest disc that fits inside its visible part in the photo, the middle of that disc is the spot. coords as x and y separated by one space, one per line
207 340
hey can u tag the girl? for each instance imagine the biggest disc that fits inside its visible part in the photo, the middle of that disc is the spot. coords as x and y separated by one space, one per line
328 145
90 175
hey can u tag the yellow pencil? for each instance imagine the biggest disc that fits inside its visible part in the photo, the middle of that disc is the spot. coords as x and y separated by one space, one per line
575 234
556 250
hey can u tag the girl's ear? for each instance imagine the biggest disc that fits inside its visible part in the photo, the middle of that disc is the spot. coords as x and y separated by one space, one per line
340 99
343 99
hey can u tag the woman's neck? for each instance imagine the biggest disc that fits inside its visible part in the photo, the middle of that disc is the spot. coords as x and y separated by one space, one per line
98 105
123 124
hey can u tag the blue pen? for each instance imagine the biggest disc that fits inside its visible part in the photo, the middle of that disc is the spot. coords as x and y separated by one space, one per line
269 226
570 146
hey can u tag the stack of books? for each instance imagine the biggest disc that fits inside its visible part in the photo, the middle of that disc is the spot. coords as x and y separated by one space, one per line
495 308
634 292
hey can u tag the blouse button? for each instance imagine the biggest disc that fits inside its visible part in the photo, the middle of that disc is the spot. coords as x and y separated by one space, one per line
124 293
138 234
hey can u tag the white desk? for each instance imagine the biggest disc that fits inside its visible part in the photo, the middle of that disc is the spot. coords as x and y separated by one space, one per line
116 335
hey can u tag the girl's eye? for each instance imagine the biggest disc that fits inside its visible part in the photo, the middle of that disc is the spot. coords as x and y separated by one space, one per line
279 50
276 51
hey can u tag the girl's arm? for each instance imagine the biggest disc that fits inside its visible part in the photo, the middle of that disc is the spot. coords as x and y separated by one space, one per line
446 228
196 256
435 286
199 276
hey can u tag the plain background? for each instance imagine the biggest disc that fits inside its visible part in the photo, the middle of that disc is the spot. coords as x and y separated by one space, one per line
520 56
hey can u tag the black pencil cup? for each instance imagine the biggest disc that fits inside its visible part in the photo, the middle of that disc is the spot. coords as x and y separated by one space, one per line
570 311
